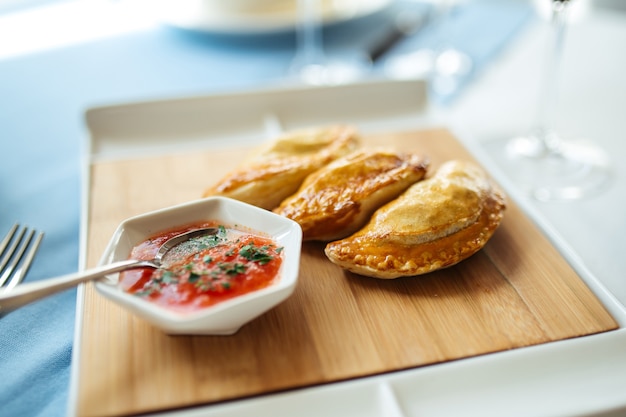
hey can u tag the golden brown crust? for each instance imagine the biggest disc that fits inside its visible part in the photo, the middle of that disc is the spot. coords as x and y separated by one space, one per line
339 198
277 171
436 223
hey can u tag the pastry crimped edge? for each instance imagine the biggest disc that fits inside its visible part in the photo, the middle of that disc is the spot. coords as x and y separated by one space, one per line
383 256
338 199
276 171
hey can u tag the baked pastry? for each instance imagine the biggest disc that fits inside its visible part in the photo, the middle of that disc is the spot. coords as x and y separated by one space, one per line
269 176
338 199
436 223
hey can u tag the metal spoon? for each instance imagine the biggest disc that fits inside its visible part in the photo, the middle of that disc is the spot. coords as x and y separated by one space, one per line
24 294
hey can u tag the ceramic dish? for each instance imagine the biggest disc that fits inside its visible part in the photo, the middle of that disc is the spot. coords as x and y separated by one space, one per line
228 316
254 17
578 376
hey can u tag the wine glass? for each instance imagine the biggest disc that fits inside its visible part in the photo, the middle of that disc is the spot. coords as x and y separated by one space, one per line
312 64
444 65
544 164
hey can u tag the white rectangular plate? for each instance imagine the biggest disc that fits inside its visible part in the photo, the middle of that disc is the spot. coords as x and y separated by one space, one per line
575 377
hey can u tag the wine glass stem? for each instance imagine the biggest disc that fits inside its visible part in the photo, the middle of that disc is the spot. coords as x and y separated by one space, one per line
549 90
309 34
444 10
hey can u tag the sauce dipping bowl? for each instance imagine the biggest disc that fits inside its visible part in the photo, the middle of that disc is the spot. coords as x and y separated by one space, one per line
228 316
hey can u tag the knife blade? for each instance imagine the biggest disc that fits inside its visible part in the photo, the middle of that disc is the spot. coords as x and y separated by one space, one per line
405 23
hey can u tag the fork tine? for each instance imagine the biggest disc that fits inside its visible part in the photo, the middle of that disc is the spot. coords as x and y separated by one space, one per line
8 253
6 240
19 275
13 247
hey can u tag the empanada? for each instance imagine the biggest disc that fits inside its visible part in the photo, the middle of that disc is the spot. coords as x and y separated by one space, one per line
338 199
276 172
436 223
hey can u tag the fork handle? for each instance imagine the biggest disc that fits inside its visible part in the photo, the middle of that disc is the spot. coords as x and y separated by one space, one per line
20 295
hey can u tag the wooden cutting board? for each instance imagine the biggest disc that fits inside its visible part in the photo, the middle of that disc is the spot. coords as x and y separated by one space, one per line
518 291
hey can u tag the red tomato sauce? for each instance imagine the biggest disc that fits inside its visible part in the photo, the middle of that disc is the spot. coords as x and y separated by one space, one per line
204 271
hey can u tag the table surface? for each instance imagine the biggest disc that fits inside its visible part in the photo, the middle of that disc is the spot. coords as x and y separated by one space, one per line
57 66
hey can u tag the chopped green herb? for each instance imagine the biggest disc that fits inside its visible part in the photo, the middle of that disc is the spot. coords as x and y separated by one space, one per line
168 277
205 286
232 268
255 254
149 289
193 277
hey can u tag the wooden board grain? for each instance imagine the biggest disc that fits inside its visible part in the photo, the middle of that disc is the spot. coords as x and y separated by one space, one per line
518 291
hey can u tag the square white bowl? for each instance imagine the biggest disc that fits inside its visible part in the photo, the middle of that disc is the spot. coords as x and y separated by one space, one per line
228 316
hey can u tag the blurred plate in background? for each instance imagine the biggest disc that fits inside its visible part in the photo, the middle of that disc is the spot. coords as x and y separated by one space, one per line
255 16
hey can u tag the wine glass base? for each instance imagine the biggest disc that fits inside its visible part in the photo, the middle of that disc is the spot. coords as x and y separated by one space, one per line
452 67
329 71
574 170
445 69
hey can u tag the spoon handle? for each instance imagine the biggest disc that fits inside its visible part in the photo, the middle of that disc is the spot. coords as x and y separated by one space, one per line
24 294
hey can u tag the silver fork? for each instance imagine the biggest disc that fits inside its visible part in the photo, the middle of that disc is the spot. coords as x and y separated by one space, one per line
17 251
